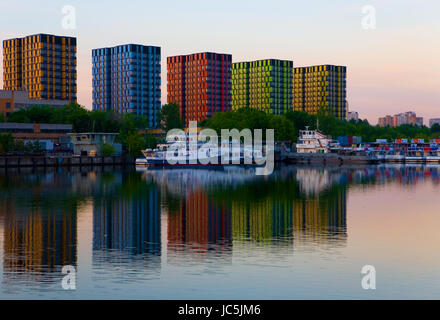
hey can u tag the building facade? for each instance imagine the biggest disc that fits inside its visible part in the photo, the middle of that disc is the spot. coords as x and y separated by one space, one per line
264 85
90 143
200 84
11 101
322 86
126 79
386 121
400 119
50 136
43 65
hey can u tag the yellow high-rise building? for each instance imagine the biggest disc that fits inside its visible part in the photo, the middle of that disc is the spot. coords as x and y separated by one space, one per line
319 87
44 65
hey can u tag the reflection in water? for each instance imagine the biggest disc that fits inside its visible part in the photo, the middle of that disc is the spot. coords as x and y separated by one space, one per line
38 241
131 223
265 210
199 226
207 216
126 231
39 229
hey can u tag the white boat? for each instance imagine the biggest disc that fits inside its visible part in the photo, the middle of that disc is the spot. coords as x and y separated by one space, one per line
191 157
312 141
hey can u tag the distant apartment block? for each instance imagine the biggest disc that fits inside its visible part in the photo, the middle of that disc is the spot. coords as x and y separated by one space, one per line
401 119
386 121
126 79
264 85
434 121
200 84
11 101
352 115
43 65
322 86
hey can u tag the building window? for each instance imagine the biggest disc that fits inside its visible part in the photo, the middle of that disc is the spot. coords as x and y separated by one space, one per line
8 105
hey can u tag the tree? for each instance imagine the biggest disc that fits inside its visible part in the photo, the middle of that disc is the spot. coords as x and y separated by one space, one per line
107 150
6 143
150 141
169 117
435 128
135 143
284 129
301 119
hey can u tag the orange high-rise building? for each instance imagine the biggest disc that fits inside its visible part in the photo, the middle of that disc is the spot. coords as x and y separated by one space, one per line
43 65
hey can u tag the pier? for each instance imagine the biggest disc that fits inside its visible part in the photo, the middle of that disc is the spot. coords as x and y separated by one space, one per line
327 158
63 161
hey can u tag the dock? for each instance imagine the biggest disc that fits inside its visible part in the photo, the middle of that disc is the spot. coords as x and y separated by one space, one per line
328 158
63 161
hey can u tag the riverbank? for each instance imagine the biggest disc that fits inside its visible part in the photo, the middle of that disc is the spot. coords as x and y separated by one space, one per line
328 158
63 161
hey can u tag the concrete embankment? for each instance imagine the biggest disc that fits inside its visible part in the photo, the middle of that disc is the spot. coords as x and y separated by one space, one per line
327 158
41 161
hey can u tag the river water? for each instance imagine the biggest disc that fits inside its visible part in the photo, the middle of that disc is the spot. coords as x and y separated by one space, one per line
301 233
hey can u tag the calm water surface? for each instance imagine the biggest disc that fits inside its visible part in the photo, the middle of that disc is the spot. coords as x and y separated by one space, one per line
303 232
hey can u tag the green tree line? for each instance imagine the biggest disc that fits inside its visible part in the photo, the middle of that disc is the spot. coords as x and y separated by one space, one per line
286 126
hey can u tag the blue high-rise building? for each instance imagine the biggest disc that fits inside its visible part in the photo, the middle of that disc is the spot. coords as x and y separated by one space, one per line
126 79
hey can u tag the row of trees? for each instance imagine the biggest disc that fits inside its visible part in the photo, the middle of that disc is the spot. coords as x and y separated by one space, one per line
8 145
286 126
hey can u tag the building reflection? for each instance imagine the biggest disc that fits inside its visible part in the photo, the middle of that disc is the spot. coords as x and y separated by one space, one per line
127 229
127 223
209 223
321 221
200 226
264 221
39 235
314 220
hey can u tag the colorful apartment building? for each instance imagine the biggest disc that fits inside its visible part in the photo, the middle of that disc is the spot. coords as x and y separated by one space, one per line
126 79
320 87
264 85
43 65
200 84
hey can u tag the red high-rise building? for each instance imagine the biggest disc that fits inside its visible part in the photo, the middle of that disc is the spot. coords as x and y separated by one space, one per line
200 84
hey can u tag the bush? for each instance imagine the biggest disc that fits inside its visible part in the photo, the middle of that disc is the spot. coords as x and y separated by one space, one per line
107 150
6 143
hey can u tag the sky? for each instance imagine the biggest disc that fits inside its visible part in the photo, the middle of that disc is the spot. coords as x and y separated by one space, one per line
390 69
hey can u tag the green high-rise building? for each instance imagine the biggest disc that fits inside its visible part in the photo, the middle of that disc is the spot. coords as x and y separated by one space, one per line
264 85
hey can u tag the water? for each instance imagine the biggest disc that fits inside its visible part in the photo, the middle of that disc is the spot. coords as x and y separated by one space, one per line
303 232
